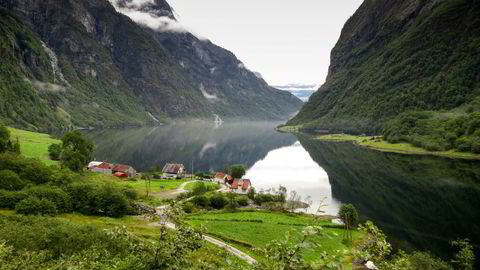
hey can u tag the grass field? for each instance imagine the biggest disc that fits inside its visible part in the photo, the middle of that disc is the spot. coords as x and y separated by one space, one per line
402 148
209 185
155 185
34 145
142 228
248 230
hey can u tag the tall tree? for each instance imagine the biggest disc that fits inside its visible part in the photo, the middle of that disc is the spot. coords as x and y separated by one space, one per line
76 150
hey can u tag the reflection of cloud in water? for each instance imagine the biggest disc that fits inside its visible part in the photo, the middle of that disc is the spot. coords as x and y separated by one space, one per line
205 148
293 168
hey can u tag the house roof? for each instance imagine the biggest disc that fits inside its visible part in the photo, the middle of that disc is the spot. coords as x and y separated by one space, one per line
104 165
246 184
172 168
235 183
121 168
243 183
220 175
120 174
94 164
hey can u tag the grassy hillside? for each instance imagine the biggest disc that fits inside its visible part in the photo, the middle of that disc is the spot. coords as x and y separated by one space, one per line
397 56
34 145
250 230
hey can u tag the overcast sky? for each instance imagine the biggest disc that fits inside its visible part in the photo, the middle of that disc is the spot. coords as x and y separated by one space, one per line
287 41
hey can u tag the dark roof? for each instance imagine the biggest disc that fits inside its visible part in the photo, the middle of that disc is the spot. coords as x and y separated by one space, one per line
172 168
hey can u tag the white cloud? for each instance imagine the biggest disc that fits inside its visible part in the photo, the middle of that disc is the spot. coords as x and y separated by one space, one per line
206 94
132 9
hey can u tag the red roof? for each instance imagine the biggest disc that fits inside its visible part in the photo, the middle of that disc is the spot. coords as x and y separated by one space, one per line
246 184
235 183
121 168
105 166
121 175
219 175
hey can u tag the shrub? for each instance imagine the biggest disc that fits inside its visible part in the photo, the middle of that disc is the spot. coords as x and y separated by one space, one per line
218 201
55 151
32 170
35 206
201 201
57 196
348 214
8 199
188 207
242 201
130 193
98 199
9 180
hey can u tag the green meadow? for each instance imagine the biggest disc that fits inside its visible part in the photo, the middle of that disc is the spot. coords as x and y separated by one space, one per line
34 145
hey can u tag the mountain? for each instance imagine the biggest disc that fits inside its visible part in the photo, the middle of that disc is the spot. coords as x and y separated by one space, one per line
302 91
396 56
69 63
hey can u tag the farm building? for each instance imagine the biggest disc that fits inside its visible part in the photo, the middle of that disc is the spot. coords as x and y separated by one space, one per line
126 169
173 170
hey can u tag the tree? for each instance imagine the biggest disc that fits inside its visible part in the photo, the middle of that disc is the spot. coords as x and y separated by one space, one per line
55 151
348 214
76 150
6 144
237 171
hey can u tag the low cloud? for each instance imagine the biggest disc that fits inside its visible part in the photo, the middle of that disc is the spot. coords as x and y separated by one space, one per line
133 10
207 95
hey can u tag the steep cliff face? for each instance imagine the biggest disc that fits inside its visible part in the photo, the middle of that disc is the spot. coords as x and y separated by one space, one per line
395 56
82 63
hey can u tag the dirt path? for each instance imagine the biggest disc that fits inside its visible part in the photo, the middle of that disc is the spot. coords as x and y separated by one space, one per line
232 250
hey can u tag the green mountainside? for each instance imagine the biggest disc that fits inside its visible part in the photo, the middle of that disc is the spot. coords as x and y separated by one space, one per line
399 56
72 63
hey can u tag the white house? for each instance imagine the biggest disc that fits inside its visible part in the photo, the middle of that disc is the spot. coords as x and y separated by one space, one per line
104 168
173 170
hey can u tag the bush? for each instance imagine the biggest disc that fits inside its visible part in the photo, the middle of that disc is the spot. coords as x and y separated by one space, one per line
130 193
9 180
8 199
57 196
242 201
32 170
348 214
55 151
218 201
98 199
35 206
188 207
201 201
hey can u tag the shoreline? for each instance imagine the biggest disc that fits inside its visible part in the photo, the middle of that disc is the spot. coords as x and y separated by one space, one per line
378 144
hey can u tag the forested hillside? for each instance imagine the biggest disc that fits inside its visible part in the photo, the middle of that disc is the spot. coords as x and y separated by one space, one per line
72 63
402 56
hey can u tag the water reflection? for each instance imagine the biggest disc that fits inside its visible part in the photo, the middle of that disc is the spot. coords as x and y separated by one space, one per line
208 147
293 168
422 201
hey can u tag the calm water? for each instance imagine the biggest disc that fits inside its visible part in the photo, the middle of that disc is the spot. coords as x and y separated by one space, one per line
419 201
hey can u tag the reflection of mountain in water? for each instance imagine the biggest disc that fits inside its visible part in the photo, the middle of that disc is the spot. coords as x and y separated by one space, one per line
420 200
211 148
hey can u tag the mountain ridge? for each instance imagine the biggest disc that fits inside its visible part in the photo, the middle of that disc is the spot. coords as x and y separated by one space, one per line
83 64
398 56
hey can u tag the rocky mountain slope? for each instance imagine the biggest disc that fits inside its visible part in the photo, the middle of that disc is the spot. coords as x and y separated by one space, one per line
82 63
395 56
